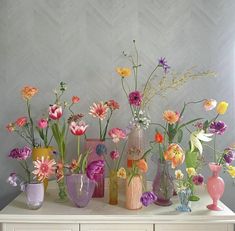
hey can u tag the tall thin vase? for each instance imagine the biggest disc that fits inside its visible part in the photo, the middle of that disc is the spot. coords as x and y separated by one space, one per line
163 186
113 187
62 191
215 186
98 149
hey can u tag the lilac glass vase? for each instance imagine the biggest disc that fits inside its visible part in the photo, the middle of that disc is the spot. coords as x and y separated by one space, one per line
163 185
34 195
98 149
80 189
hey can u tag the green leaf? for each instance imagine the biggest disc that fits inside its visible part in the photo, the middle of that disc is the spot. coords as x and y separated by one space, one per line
189 122
191 159
179 135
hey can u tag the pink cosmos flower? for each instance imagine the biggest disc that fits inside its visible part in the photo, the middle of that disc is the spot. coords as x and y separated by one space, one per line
55 112
75 99
99 110
42 123
44 168
117 134
78 128
114 154
21 121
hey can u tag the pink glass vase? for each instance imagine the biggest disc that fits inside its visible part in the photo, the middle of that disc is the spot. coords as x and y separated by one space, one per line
215 186
98 149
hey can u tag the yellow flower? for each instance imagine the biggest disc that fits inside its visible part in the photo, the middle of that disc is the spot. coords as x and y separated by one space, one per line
179 175
121 173
123 71
222 107
231 171
28 92
191 171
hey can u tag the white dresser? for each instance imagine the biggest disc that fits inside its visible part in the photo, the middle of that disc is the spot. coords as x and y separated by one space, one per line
101 216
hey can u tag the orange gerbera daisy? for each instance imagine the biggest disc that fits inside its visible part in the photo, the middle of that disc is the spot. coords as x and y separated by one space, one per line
28 92
123 71
142 165
99 110
171 117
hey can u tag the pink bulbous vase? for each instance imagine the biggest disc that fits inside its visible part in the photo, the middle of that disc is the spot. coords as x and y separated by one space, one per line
215 186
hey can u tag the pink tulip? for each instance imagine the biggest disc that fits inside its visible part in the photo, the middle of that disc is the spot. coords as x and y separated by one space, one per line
78 128
42 123
117 134
55 112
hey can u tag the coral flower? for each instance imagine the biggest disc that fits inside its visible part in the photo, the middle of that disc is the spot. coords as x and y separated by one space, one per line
21 121
44 168
191 172
117 134
123 71
55 112
142 165
209 104
99 110
179 175
159 138
75 99
135 98
222 107
171 117
175 154
10 127
42 123
112 104
121 173
28 92
78 128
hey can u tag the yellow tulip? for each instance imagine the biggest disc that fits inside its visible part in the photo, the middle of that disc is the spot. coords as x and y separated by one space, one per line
222 107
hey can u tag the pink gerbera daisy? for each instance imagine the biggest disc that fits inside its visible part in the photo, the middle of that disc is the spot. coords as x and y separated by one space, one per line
44 168
99 110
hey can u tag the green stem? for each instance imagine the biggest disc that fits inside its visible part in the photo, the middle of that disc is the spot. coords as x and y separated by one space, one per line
78 146
106 126
31 123
214 149
120 158
100 129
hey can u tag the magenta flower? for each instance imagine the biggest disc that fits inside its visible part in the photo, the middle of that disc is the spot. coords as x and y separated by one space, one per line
114 154
117 134
78 128
55 112
218 127
229 155
135 98
94 169
148 198
163 63
20 153
198 179
42 123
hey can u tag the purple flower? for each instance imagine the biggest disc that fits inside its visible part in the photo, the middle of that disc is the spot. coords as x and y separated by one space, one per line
198 179
12 179
163 63
114 154
20 153
229 155
148 198
135 98
94 169
218 127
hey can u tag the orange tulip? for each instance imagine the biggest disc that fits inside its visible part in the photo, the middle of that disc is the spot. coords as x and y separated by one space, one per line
142 165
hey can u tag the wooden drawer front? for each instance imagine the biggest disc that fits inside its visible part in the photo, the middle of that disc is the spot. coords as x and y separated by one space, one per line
116 227
193 227
40 227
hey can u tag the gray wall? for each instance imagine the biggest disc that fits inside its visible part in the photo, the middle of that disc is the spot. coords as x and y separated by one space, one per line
80 41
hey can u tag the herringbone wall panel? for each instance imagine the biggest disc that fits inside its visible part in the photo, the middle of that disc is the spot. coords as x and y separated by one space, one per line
80 42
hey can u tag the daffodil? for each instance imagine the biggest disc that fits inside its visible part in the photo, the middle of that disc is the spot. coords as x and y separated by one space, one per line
196 138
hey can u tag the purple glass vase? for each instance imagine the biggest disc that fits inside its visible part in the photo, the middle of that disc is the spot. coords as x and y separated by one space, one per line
34 195
163 185
80 189
98 149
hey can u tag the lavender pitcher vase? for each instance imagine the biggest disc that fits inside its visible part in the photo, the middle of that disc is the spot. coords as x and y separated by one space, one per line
80 189
34 195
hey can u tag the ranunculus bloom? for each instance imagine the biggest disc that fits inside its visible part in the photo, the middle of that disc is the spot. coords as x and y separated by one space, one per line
28 92
42 123
44 168
94 169
142 165
114 154
209 104
231 171
20 153
229 155
117 134
148 198
21 121
99 110
159 138
55 112
191 171
10 127
123 71
175 154
171 117
198 179
78 128
218 127
179 175
75 99
222 107
121 173
135 98
112 104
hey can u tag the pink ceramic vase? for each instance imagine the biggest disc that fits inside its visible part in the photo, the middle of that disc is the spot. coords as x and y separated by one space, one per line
215 186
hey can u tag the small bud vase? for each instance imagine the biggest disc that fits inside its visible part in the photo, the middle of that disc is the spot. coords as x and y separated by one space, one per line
215 186
184 196
113 187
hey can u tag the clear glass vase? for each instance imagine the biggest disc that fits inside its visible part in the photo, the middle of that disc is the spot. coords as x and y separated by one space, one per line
62 191
113 187
163 185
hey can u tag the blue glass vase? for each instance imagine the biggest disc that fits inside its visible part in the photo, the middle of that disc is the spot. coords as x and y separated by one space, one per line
184 196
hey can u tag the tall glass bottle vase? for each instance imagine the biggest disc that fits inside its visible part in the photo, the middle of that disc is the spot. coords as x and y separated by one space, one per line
97 148
113 187
163 185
